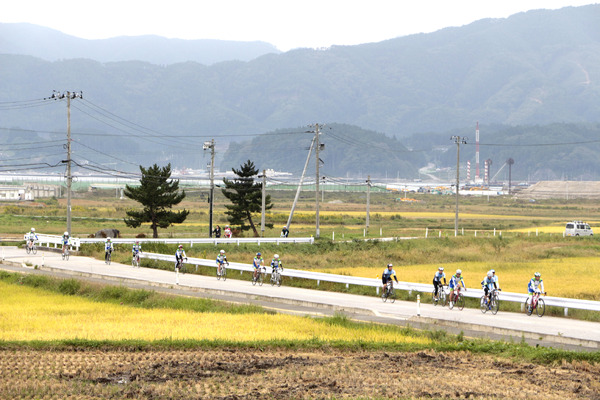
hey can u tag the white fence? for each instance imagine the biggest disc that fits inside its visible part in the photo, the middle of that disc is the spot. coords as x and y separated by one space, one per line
192 241
47 240
372 282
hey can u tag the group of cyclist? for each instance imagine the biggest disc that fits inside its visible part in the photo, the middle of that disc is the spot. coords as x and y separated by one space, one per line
259 263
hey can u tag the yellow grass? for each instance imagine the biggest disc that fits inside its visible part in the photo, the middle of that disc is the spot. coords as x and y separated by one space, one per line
420 214
567 277
34 314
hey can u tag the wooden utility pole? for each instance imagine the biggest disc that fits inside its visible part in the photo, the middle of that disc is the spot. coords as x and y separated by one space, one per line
368 200
317 233
262 215
458 140
211 145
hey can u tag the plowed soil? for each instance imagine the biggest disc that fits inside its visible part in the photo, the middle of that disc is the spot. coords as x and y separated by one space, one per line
284 374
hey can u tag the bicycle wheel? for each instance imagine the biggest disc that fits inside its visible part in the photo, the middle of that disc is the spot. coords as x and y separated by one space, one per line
219 274
108 258
392 296
483 305
224 273
67 255
384 296
442 297
278 279
541 308
27 249
273 279
460 302
254 280
260 278
433 300
34 249
495 305
528 308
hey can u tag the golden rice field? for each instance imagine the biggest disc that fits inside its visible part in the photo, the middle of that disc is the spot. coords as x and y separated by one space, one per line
581 281
35 314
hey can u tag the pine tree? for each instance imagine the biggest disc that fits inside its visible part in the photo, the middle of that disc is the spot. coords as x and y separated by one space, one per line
245 196
158 194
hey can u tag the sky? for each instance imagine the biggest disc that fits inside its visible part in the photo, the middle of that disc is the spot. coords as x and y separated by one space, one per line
287 24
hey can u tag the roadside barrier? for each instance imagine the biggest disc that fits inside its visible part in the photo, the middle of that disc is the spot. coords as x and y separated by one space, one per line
565 303
47 240
192 241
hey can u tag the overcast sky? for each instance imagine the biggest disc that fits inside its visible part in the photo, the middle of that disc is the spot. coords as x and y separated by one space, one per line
287 24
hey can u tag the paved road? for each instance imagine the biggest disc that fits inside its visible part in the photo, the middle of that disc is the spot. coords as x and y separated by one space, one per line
552 331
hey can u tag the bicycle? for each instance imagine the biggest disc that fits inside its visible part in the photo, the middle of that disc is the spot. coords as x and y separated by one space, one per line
135 260
459 299
536 305
259 277
65 253
31 248
223 273
107 258
441 298
276 278
389 292
493 304
180 265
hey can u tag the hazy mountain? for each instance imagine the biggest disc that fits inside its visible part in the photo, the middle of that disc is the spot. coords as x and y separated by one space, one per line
52 45
534 68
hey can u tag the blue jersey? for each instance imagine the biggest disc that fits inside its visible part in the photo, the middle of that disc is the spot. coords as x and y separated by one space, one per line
488 282
108 246
258 261
535 285
221 258
439 276
387 274
455 281
136 248
65 239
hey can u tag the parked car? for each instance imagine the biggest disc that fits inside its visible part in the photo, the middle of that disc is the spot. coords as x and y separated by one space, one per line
578 228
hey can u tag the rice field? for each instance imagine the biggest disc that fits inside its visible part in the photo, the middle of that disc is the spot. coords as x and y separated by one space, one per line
565 277
33 314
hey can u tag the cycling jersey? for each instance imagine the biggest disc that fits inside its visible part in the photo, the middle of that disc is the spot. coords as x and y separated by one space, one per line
535 286
276 263
387 275
455 281
32 236
65 240
258 262
108 246
489 283
180 254
136 248
221 259
439 276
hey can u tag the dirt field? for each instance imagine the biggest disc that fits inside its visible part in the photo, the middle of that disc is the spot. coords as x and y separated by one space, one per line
254 374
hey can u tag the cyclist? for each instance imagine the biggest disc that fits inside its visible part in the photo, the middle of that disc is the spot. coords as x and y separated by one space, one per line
227 232
31 237
536 285
257 263
496 279
221 259
136 250
179 256
285 232
488 284
437 281
387 275
65 241
455 281
276 264
108 248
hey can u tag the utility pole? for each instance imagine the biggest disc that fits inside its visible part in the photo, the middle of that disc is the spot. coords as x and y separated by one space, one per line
458 140
59 96
211 145
289 221
368 199
317 234
262 215
510 163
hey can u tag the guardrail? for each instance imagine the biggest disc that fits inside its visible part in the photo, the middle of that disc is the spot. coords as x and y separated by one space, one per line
55 240
192 241
565 303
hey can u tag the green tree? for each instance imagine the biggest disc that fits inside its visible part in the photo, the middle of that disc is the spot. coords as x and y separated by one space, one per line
158 194
245 196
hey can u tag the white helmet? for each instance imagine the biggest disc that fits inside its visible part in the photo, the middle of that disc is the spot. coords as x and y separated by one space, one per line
490 274
108 239
66 233
222 251
32 229
441 268
537 275
276 256
458 272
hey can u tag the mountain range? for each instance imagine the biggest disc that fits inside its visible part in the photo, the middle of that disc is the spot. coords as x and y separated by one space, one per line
531 71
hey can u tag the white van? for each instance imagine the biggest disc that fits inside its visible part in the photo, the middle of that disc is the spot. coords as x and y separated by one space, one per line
578 228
